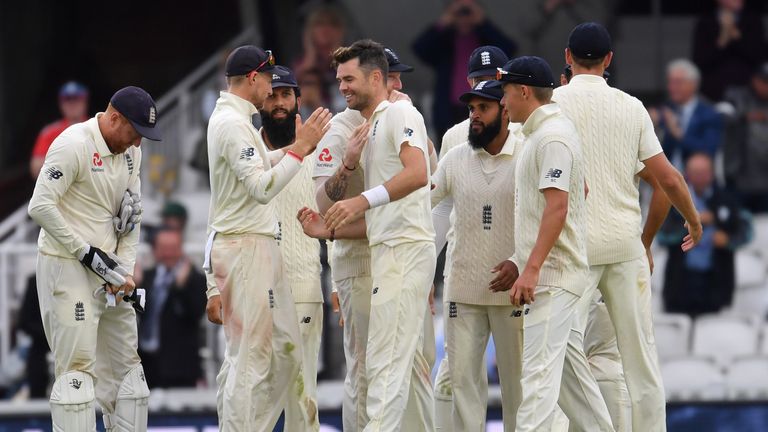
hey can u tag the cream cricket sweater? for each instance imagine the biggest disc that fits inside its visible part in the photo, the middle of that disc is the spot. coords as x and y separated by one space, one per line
482 188
301 253
616 133
566 265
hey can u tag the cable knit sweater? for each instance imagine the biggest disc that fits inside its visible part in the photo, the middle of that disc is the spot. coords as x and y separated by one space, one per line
482 187
616 133
301 254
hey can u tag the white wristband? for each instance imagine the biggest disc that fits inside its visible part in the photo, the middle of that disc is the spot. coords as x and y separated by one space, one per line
377 196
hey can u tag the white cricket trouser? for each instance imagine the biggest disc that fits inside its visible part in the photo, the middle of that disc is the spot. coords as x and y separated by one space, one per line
402 277
301 411
82 332
443 388
546 330
420 409
580 397
355 303
263 345
605 363
468 329
626 289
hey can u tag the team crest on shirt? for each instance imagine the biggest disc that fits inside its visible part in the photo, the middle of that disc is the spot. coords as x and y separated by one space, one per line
79 311
487 217
375 126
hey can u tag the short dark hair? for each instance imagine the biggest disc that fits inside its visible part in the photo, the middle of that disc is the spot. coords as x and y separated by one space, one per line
369 53
587 63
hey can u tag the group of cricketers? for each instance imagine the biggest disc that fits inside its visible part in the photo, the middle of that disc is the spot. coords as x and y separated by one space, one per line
535 195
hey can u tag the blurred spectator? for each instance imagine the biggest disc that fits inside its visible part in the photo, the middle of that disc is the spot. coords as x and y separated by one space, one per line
546 24
31 323
311 84
169 329
446 46
746 148
174 216
728 44
688 123
73 105
324 31
702 280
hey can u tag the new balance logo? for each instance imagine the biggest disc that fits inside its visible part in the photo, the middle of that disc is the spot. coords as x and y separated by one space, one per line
487 217
53 173
247 153
271 299
408 132
75 383
518 313
453 311
79 311
141 375
485 58
553 173
306 320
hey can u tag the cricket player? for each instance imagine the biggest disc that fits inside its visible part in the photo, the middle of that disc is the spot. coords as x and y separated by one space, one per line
398 226
619 145
481 66
301 254
550 246
247 288
88 186
350 258
480 177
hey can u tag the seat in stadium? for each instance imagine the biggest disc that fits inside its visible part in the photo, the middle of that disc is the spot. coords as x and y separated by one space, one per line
750 269
724 337
759 242
747 379
691 378
673 335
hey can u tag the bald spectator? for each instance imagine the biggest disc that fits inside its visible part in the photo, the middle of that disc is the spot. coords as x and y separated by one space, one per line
703 279
169 329
689 124
728 44
746 149
73 105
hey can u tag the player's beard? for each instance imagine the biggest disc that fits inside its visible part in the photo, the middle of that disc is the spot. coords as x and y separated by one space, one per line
281 132
360 101
479 140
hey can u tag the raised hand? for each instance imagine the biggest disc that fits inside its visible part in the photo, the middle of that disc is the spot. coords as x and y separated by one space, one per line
309 133
356 145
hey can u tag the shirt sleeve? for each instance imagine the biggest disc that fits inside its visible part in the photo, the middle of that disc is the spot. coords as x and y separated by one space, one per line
60 170
329 153
440 187
244 159
555 166
407 125
649 142
126 248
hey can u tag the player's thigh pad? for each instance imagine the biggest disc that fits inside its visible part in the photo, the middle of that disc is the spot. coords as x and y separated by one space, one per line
71 400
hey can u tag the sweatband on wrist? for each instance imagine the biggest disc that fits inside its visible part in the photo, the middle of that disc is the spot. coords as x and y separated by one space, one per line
377 196
295 155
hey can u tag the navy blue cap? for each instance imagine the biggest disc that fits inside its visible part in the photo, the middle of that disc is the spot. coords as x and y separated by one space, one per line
589 40
484 60
484 89
394 62
285 78
527 70
249 58
137 106
73 89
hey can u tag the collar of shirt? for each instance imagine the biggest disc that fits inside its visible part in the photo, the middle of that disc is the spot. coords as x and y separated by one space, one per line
538 116
509 145
239 104
98 139
588 79
381 107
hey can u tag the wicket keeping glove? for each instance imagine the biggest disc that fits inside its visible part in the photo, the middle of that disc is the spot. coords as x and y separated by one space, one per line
104 265
129 214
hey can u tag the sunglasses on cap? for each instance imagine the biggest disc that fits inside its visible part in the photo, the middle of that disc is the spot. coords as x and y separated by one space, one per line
501 73
269 61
